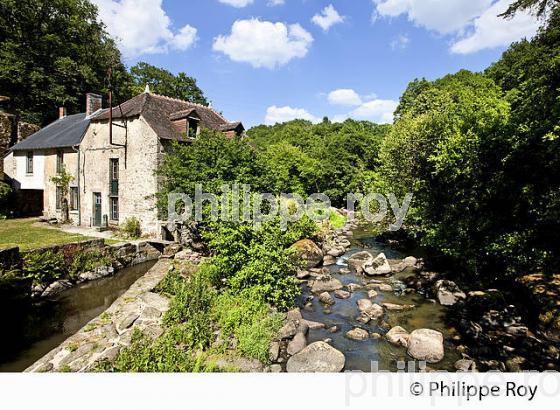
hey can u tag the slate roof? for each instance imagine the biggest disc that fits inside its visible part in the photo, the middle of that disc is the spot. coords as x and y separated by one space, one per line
63 133
160 111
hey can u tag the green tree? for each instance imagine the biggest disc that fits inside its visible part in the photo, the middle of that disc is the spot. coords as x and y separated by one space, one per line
212 160
165 83
529 73
448 148
333 158
52 52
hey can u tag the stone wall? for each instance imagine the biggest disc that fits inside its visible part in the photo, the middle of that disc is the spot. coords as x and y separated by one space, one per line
137 165
101 340
10 258
7 134
69 250
12 131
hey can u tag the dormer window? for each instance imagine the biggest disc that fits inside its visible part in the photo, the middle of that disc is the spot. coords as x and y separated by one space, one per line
192 128
187 123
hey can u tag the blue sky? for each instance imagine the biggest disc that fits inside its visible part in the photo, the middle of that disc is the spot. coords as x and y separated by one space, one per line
263 62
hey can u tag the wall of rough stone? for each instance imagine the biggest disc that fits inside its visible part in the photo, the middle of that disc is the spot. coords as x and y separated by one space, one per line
7 127
137 180
69 250
10 258
12 131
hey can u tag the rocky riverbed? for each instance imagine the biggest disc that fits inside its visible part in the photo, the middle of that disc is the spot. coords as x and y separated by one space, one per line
366 307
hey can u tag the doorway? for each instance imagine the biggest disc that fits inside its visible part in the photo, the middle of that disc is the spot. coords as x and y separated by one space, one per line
96 209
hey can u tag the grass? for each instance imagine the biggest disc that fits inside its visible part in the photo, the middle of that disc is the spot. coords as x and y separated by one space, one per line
26 234
189 343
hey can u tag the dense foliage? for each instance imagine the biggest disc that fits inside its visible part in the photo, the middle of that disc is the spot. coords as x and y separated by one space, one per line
257 259
131 228
44 267
331 158
163 82
5 191
481 153
52 52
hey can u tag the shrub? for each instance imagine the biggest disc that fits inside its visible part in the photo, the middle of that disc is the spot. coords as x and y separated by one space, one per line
44 267
336 220
131 228
246 258
246 317
162 355
88 261
190 307
254 338
5 191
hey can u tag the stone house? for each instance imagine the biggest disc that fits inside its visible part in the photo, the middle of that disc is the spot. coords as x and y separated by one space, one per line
114 170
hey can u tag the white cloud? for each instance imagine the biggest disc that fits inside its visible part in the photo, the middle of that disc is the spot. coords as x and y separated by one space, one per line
400 42
185 38
263 43
442 16
491 31
344 96
142 27
367 107
276 114
327 18
237 3
273 3
380 111
474 24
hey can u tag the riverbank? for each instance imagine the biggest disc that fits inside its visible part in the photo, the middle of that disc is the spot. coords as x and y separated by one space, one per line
372 318
363 306
102 338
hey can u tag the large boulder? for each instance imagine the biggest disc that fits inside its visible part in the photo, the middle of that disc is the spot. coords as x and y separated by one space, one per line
357 334
326 298
307 250
426 345
297 344
448 293
326 284
364 304
371 311
398 336
342 294
360 260
396 308
318 357
381 287
378 266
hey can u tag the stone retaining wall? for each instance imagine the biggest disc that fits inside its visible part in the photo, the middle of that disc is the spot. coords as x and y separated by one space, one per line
122 255
69 250
102 339
10 258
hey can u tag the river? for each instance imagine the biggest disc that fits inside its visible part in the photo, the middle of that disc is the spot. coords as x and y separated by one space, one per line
31 331
362 355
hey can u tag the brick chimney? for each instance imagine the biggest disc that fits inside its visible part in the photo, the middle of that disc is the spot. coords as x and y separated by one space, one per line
61 112
94 102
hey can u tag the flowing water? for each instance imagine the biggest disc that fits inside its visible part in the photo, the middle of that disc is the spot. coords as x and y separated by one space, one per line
361 355
30 332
